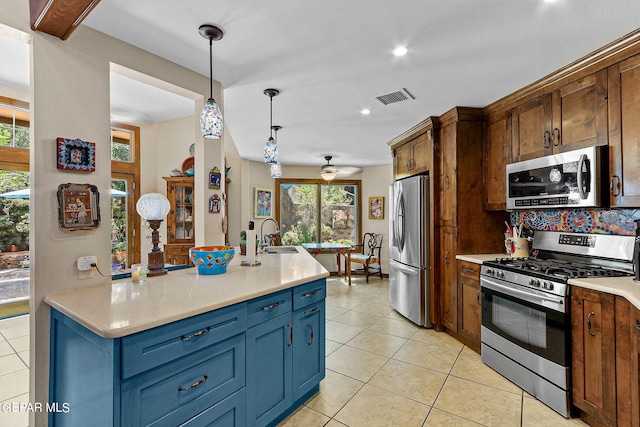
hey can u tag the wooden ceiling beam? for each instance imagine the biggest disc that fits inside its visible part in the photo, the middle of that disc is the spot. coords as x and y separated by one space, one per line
59 18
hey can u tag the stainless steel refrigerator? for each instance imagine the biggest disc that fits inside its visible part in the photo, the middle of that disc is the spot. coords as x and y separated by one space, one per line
409 248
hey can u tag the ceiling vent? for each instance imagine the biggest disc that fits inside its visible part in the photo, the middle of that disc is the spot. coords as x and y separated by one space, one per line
393 97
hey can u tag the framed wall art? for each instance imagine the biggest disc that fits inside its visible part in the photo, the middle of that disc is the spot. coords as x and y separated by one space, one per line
78 207
262 202
76 155
376 207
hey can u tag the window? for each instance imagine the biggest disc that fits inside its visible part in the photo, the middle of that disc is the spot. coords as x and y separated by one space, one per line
14 123
125 179
311 211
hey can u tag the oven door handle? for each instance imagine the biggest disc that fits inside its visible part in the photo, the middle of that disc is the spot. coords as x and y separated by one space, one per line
558 303
582 185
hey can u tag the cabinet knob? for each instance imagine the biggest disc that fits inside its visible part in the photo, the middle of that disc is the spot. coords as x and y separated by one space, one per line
637 324
614 185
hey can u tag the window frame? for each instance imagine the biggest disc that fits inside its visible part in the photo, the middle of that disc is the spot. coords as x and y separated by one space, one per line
321 182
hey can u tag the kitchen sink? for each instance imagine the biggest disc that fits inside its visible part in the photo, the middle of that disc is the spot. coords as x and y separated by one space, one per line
280 250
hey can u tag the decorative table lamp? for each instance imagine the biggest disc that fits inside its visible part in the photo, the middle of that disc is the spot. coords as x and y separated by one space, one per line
154 207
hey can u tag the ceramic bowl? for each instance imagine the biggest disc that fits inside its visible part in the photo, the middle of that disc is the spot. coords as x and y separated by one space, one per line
189 172
211 259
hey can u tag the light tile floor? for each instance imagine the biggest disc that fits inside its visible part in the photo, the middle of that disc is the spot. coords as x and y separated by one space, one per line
382 370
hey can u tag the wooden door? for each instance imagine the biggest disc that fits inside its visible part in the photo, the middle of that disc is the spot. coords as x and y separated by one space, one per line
469 304
593 355
448 278
580 113
448 175
421 148
531 129
624 133
497 154
402 161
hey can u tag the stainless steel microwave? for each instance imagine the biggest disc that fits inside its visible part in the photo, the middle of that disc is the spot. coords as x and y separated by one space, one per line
564 180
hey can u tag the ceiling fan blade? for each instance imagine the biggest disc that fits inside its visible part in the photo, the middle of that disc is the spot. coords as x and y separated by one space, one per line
348 170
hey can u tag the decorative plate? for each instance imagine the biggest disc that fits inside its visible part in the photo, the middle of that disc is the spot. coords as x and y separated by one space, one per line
192 149
187 164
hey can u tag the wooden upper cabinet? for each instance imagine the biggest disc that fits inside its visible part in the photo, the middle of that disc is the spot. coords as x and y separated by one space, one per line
413 157
497 154
59 18
531 129
624 133
448 175
580 113
572 117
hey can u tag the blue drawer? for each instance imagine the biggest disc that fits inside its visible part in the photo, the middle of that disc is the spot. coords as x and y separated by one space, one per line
309 293
231 412
154 347
171 394
268 307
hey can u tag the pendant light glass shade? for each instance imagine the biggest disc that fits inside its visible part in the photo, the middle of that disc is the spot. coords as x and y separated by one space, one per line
211 124
276 170
271 152
211 120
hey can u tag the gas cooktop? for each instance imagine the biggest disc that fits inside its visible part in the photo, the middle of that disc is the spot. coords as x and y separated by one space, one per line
555 269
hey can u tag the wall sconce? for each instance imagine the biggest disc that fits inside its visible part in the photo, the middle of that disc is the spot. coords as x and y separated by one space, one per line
153 207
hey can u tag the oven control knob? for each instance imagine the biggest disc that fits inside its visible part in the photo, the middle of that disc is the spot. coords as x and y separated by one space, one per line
534 282
489 271
500 274
548 285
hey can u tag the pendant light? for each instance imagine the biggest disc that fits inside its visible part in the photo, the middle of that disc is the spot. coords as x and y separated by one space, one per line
328 171
271 148
276 169
211 117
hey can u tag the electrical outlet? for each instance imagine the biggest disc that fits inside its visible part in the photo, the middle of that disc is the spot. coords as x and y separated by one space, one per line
85 274
84 263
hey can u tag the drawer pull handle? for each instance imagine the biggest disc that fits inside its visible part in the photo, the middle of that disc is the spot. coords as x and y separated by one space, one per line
194 385
270 307
468 270
310 294
638 325
197 334
313 310
290 335
311 333
545 139
589 323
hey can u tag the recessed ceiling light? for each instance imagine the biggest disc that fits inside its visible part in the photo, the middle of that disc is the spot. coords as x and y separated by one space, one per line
365 111
549 1
400 51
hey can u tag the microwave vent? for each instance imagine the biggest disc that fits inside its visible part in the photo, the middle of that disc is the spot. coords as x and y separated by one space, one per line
393 97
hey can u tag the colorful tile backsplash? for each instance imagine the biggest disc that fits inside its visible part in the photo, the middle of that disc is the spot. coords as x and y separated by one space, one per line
598 221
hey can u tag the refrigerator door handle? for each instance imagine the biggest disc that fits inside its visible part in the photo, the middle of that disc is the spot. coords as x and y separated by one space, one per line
403 268
399 220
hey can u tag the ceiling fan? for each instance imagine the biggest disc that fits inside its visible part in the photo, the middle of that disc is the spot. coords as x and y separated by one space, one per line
329 171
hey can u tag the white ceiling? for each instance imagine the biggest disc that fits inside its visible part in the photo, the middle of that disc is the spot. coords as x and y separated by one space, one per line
331 58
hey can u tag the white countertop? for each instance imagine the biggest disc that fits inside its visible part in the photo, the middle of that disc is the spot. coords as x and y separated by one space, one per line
623 286
123 308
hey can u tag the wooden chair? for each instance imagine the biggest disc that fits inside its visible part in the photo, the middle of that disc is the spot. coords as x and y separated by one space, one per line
369 255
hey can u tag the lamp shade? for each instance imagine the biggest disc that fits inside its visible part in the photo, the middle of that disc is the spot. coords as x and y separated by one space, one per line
276 170
271 152
328 176
153 206
211 120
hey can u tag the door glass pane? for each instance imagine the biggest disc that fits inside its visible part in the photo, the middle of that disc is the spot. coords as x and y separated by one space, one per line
338 211
119 232
121 145
14 243
298 206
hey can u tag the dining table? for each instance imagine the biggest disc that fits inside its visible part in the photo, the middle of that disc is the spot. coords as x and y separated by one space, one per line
339 249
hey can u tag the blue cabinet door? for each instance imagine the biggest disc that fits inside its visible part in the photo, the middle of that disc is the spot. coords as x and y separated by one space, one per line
308 348
269 391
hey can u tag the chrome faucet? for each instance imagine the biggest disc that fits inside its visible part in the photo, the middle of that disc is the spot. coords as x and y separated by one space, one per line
268 240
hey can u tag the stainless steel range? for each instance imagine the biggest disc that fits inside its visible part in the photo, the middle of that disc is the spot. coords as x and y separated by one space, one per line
526 324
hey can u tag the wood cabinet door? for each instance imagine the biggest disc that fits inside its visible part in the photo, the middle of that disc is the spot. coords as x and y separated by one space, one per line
580 113
402 161
531 129
469 312
497 154
593 354
448 184
448 278
624 133
421 148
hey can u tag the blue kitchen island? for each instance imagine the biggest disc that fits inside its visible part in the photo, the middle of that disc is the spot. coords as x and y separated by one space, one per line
242 348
